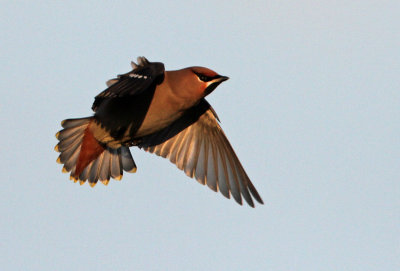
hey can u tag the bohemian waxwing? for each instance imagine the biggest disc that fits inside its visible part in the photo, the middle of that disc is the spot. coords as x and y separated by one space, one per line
162 112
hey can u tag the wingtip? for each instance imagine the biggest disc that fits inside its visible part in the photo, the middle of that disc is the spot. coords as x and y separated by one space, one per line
142 61
237 198
258 199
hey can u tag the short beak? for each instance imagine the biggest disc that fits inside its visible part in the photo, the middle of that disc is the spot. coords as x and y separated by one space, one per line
222 79
214 83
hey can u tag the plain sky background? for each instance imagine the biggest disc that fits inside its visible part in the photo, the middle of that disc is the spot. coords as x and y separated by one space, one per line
312 109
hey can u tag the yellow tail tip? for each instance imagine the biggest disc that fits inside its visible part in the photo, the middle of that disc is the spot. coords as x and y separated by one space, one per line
58 160
105 182
118 178
56 148
133 170
64 170
73 179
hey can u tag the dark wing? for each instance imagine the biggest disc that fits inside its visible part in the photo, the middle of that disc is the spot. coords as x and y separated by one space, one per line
198 146
135 82
124 104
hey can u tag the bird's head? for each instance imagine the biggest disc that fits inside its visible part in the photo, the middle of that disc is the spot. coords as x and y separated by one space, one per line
207 79
195 82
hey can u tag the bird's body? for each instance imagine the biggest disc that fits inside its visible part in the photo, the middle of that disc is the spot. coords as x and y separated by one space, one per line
163 112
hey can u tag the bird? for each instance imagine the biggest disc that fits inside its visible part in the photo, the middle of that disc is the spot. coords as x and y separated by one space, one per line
162 112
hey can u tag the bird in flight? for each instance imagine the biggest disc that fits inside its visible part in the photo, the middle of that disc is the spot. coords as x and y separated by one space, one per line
161 112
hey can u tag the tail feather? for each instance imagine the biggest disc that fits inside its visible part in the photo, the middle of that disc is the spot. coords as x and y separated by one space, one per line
73 140
105 173
116 169
85 173
68 152
70 163
127 161
95 170
72 123
87 159
90 150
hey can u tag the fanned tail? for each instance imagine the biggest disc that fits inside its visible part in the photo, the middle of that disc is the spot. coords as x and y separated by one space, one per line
88 159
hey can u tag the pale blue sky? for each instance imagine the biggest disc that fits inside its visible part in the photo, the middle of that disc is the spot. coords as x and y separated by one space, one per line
312 109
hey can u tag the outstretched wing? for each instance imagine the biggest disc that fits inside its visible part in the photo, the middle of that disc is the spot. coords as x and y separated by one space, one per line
202 151
135 82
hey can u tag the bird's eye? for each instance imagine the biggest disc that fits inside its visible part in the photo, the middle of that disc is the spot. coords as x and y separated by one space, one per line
203 77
